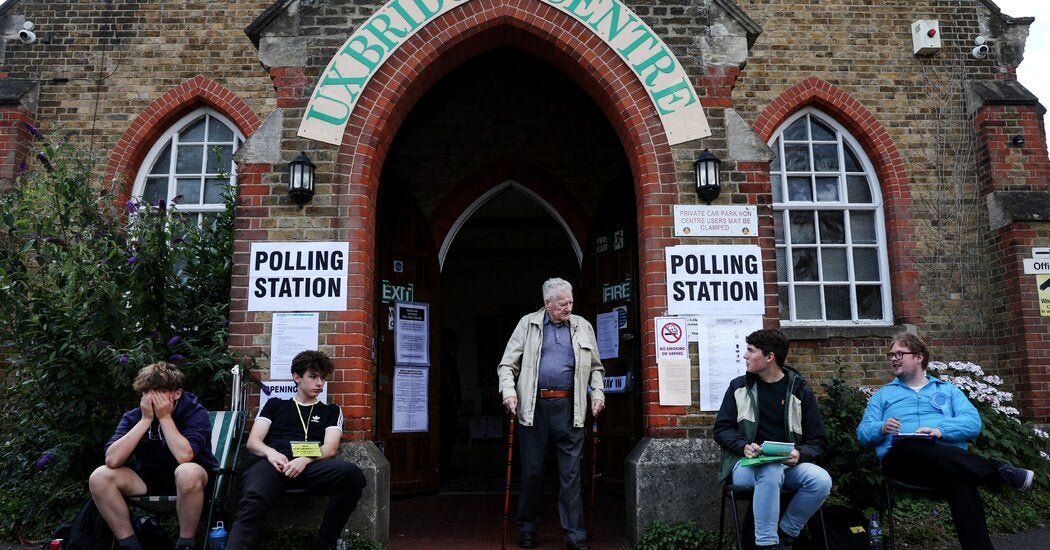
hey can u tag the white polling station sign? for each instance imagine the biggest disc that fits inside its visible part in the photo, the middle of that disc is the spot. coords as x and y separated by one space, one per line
715 280
298 276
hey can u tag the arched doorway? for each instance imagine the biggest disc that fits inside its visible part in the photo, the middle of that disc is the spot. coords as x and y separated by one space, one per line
514 170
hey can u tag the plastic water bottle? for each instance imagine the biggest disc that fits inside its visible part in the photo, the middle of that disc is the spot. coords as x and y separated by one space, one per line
217 537
874 533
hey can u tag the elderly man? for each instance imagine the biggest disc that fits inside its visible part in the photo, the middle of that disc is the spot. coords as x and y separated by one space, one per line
550 364
920 427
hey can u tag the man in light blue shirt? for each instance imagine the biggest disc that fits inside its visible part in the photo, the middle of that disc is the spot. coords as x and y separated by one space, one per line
921 426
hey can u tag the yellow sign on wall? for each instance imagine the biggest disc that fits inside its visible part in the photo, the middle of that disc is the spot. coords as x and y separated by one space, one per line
1043 282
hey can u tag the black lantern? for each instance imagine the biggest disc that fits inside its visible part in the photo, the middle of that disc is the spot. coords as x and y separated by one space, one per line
708 178
301 179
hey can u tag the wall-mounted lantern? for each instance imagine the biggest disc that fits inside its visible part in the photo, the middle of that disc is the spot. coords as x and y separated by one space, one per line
708 178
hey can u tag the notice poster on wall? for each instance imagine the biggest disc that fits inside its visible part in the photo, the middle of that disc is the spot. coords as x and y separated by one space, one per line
608 336
721 349
411 334
291 334
715 280
411 411
298 276
675 382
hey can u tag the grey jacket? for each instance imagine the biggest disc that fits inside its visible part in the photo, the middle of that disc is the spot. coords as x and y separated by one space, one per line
521 362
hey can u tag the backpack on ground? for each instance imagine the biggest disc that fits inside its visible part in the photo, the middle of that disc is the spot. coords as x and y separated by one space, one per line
846 528
88 530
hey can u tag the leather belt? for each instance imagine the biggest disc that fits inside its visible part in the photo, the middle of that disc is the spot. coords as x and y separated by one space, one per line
555 394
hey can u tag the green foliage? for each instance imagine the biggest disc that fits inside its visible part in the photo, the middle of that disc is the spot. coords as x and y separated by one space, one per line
926 522
683 535
853 467
88 295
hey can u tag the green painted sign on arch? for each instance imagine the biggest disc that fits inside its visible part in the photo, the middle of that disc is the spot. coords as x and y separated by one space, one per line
361 56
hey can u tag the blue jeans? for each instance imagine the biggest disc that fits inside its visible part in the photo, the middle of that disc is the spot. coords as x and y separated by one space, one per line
811 482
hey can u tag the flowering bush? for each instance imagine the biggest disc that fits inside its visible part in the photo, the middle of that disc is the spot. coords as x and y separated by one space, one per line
91 291
1004 437
922 522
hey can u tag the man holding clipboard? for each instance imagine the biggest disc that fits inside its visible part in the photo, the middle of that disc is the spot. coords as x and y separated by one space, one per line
294 442
921 426
771 431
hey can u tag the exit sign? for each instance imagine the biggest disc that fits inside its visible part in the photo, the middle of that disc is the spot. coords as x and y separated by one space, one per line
398 293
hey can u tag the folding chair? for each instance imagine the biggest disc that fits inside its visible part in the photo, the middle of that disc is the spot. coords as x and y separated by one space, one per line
891 486
227 428
747 492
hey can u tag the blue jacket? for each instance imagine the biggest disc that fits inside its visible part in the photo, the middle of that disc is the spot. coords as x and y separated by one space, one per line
938 404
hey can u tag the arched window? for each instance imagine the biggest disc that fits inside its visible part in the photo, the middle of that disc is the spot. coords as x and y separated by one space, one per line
191 165
828 224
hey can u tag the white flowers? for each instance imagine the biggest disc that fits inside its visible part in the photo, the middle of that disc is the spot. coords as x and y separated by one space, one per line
984 390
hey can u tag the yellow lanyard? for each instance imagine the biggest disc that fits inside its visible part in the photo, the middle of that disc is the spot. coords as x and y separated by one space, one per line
306 434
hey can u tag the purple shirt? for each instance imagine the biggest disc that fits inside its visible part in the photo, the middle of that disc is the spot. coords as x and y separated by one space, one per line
557 358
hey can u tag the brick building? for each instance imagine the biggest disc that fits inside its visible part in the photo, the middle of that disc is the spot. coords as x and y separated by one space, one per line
466 150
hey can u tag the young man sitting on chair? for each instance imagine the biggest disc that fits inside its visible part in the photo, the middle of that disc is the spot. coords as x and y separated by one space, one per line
294 442
921 426
169 435
773 403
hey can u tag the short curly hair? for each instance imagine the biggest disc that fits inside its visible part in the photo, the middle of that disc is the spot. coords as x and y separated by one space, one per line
158 376
313 360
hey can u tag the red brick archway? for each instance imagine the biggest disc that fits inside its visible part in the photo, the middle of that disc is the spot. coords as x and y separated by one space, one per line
426 58
155 119
888 164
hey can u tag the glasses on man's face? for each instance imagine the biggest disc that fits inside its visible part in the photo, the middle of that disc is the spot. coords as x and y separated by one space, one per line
898 355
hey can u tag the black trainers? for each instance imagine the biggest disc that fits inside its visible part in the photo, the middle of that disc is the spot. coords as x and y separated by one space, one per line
787 542
1015 477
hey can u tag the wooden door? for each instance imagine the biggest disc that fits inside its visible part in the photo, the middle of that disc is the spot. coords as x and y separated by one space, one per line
609 281
406 271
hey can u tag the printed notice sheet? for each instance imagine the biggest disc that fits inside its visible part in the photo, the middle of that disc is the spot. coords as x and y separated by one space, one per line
411 334
292 333
722 349
675 382
608 335
410 399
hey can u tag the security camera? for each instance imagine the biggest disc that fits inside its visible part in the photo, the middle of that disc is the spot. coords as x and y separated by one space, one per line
980 51
26 34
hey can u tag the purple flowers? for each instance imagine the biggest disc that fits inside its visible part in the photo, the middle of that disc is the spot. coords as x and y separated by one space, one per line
44 460
174 341
33 131
133 260
176 358
45 161
131 206
123 359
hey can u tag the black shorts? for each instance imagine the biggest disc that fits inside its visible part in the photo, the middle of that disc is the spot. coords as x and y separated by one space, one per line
164 483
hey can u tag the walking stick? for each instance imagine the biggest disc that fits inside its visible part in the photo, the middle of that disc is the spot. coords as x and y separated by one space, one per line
594 477
506 491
